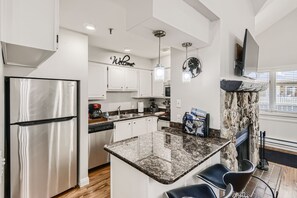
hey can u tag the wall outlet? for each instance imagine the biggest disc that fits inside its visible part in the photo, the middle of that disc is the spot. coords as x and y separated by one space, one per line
178 118
178 103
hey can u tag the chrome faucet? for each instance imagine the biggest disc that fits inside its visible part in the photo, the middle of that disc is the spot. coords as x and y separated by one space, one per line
119 110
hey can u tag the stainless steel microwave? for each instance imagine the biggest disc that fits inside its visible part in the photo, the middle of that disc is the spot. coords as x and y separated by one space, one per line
167 91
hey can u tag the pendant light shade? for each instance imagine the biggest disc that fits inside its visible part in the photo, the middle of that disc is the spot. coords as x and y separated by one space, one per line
186 75
159 71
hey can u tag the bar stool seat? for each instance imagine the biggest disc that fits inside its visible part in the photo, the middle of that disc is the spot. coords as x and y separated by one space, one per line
197 191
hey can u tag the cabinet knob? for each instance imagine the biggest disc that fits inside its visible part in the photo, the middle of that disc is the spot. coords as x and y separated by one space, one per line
122 87
103 95
129 123
134 122
126 87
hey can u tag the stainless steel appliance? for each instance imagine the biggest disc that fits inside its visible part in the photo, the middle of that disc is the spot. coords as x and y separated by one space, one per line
167 90
99 135
41 137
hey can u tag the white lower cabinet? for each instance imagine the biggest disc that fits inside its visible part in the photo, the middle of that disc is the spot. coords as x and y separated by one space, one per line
152 124
123 130
135 127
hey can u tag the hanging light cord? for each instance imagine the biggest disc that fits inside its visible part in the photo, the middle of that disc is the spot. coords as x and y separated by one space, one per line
159 51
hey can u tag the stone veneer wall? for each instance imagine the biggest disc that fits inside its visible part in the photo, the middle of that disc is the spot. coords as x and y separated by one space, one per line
239 110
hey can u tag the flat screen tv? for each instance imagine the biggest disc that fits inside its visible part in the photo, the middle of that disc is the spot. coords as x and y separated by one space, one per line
246 63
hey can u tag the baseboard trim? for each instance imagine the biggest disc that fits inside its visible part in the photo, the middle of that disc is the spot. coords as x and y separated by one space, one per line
83 182
283 146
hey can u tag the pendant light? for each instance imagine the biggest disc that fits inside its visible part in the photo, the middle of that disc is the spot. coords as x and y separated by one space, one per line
159 71
186 75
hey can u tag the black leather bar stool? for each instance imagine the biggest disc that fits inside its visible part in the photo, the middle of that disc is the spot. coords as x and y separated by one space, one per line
197 191
219 176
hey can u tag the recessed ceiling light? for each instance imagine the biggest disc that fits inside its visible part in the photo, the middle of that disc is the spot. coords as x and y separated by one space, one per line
127 50
90 27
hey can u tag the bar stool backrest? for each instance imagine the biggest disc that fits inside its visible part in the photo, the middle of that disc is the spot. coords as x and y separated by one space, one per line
239 179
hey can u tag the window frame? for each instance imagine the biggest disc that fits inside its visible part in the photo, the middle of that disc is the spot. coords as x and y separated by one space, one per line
272 91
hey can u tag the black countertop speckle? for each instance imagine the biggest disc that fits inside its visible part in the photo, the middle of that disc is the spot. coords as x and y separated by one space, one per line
167 155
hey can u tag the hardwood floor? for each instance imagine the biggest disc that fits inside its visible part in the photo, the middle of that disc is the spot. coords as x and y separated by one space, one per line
99 186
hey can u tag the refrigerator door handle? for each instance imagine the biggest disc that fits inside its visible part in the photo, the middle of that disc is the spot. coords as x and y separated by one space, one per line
38 122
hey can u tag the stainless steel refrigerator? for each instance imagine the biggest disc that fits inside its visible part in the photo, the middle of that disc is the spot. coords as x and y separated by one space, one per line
41 136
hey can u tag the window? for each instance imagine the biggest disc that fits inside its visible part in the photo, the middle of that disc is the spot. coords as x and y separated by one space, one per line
264 95
282 92
285 97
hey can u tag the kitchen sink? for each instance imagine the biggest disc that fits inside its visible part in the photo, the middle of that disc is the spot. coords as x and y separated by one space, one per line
123 116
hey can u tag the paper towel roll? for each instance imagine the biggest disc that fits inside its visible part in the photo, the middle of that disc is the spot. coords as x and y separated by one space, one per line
140 107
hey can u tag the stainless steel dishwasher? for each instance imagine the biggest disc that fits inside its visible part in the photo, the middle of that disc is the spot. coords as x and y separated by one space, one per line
99 135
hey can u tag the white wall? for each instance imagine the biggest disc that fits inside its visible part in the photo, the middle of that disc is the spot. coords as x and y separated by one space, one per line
164 61
103 56
69 62
1 119
203 91
280 127
278 44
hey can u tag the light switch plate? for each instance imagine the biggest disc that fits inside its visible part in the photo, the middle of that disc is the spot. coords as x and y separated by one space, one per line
178 103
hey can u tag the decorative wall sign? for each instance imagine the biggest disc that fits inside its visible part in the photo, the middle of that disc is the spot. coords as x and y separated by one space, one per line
192 65
122 61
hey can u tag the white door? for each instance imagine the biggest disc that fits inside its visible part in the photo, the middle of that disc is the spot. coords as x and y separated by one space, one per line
97 81
123 130
131 79
116 78
139 126
145 83
152 124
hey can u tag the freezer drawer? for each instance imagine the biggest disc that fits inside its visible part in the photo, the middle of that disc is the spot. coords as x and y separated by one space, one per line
97 154
43 159
41 99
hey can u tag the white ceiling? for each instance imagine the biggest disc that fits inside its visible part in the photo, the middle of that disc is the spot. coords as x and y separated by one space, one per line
271 11
105 14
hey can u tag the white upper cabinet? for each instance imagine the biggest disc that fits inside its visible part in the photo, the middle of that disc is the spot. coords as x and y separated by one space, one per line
97 81
116 78
29 27
131 79
122 79
145 83
158 88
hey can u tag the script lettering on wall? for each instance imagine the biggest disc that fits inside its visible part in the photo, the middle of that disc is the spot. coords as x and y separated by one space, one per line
121 61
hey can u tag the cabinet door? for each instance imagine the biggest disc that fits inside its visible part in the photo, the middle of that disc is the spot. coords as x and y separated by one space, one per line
139 126
116 78
32 23
131 79
167 75
145 83
152 124
97 81
123 130
158 88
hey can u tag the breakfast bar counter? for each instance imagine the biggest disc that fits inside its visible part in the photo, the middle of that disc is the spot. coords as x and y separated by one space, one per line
148 165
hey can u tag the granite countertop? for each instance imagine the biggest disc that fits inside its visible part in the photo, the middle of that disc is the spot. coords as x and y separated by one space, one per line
136 116
167 155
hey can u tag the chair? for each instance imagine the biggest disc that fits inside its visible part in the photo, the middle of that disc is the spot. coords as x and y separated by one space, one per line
219 176
197 191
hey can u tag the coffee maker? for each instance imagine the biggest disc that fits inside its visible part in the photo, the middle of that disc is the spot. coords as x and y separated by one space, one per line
95 111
